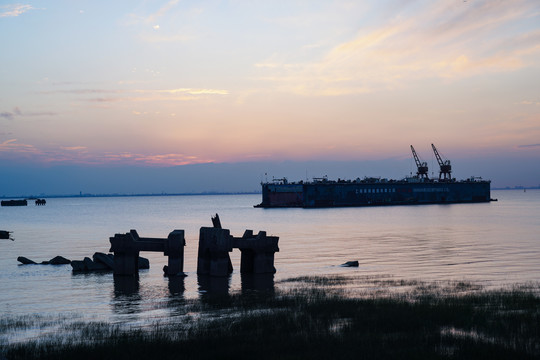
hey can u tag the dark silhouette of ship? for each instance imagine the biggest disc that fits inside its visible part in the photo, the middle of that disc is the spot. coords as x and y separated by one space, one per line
418 189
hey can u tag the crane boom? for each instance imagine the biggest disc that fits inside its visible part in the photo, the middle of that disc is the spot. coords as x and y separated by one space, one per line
422 168
445 172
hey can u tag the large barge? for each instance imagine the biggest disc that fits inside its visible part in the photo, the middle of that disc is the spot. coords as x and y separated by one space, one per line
419 189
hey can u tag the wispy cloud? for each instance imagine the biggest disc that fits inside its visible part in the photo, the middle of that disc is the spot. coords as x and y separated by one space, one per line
151 18
73 148
529 102
82 91
155 159
164 24
6 115
79 154
10 115
143 95
445 40
14 10
110 99
13 149
529 146
191 91
162 11
196 91
12 146
17 112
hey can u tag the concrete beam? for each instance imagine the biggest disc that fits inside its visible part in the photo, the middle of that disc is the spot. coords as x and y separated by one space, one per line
126 248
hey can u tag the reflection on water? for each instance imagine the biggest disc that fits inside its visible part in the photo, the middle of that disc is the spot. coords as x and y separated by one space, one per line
126 286
127 295
127 299
219 286
213 286
257 282
177 285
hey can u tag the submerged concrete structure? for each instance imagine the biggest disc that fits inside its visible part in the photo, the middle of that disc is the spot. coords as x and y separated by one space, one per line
216 243
257 252
213 255
126 248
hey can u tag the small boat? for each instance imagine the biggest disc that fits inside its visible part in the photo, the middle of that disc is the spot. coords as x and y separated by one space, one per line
14 203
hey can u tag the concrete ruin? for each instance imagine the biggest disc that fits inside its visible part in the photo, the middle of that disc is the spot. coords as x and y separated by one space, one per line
257 252
126 248
102 262
215 244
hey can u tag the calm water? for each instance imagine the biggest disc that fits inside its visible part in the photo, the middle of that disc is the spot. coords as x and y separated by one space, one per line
494 244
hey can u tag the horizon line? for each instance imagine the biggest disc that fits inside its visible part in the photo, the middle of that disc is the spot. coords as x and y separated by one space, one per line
204 193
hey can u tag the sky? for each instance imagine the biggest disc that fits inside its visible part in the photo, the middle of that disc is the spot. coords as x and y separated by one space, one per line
168 83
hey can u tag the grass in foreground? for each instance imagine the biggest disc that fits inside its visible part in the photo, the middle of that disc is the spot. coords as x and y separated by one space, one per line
313 320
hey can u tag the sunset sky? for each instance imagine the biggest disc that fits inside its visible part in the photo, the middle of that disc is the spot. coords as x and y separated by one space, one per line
184 82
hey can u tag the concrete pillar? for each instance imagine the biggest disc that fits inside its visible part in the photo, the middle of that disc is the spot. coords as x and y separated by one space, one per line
126 263
126 257
257 252
247 259
174 249
213 255
263 263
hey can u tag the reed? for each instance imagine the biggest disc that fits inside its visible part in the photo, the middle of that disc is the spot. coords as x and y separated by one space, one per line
315 320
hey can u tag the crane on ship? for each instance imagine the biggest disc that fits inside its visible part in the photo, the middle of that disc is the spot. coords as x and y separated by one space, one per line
445 172
421 166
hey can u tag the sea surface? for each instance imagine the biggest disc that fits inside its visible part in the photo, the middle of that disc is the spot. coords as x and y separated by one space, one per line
494 244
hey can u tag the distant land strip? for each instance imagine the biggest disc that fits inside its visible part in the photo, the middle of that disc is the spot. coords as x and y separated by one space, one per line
188 194
517 188
128 195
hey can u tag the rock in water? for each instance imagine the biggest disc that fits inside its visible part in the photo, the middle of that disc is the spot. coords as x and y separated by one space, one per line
25 261
350 264
90 265
105 259
102 262
77 265
144 263
59 260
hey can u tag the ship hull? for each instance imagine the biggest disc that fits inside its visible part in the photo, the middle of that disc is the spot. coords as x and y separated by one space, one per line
341 194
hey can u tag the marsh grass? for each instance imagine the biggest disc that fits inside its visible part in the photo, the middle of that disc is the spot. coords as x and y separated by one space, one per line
315 320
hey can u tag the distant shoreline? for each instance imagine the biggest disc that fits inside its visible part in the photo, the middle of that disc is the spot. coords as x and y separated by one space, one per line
184 194
125 195
518 188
